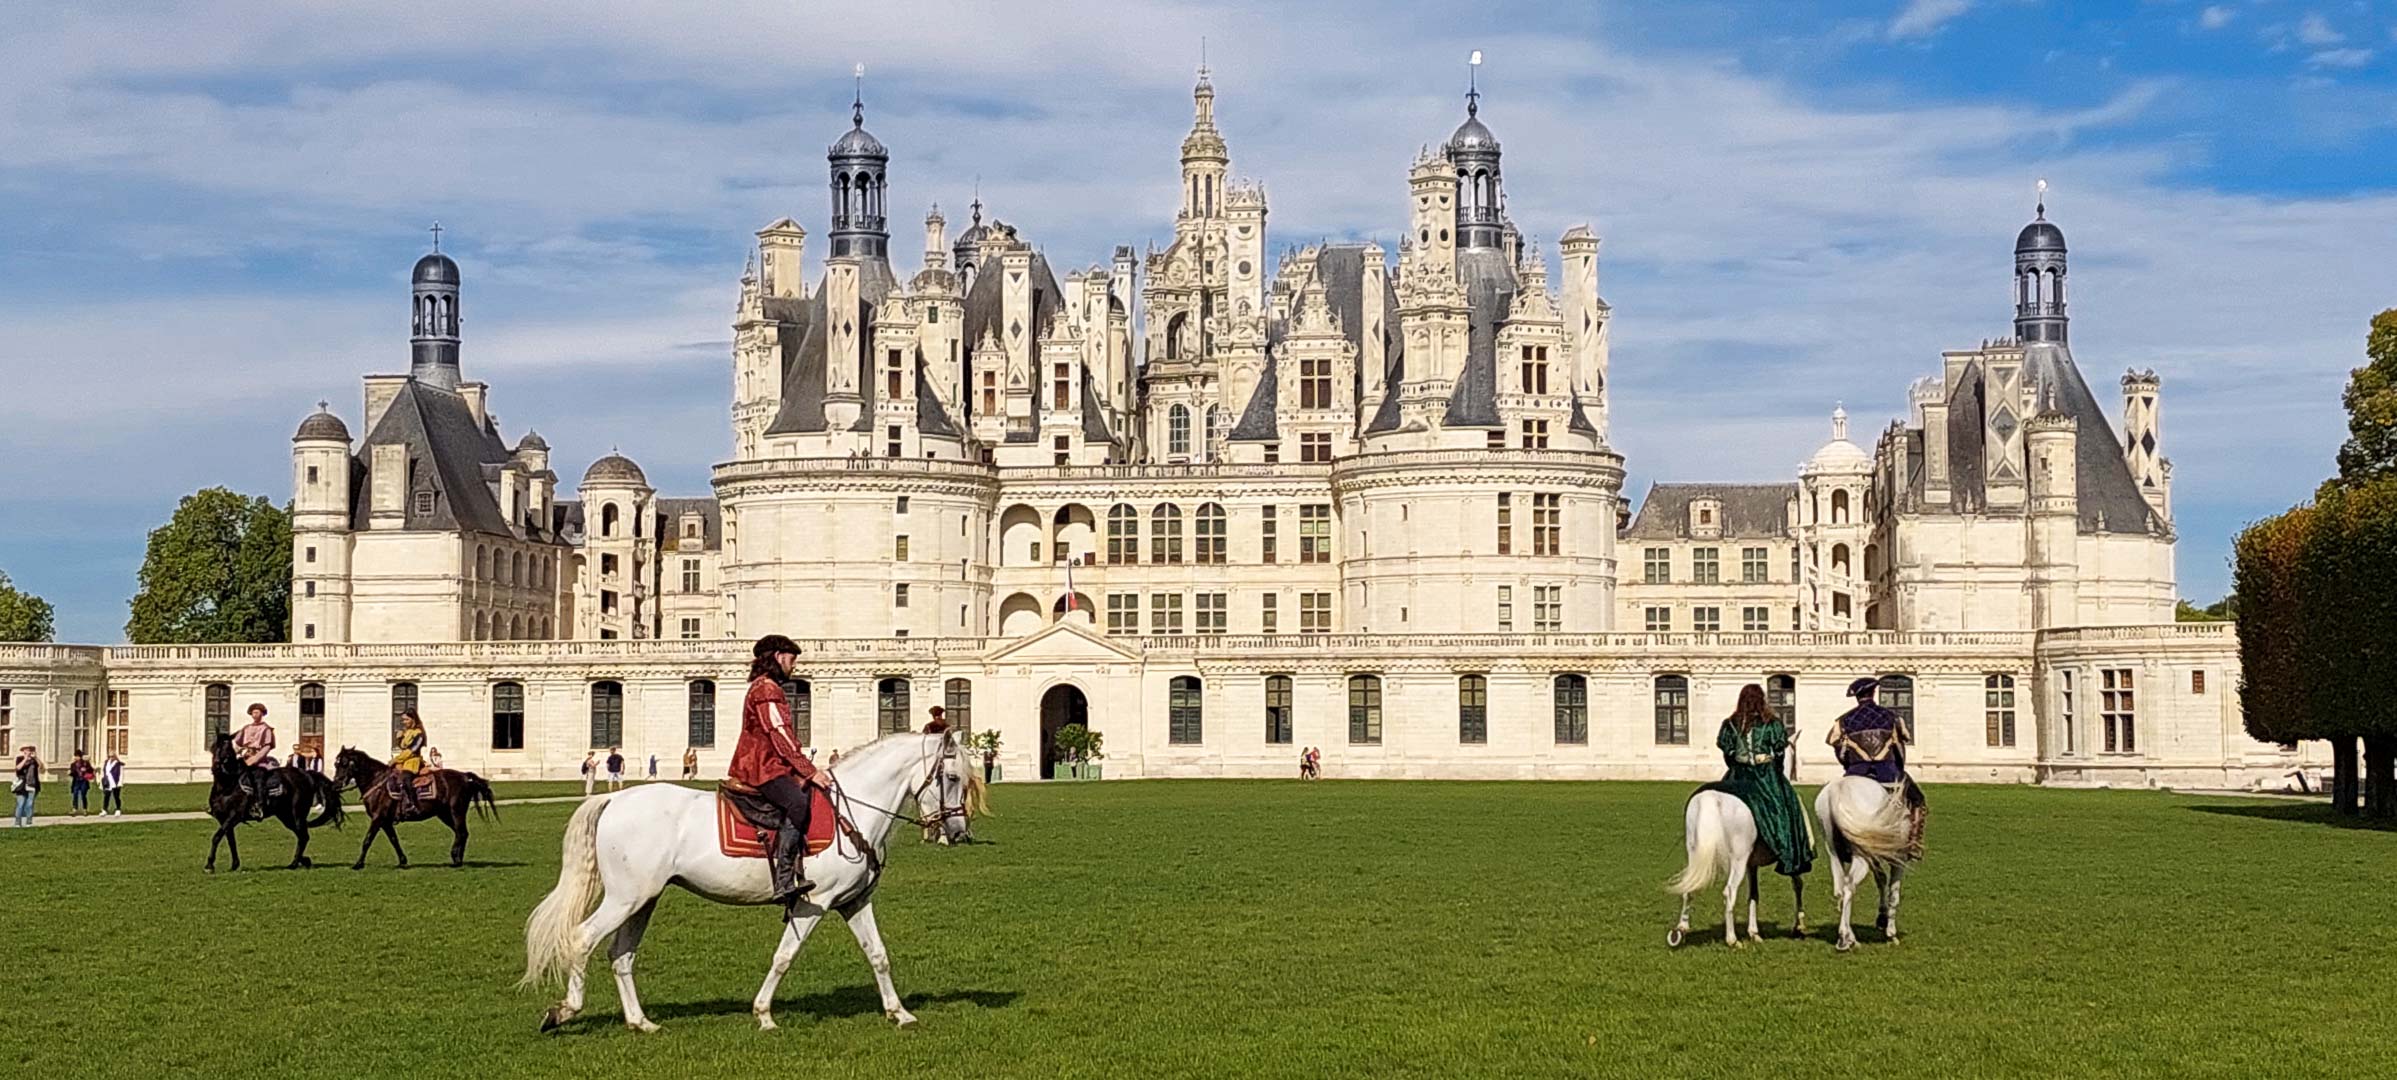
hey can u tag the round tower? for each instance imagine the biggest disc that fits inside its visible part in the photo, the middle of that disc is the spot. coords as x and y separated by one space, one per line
860 180
2052 443
320 527
1481 198
1204 157
2039 278
433 338
614 598
1837 561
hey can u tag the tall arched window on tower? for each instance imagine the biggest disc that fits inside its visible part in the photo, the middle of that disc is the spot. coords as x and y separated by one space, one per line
1123 534
1839 559
1174 328
1839 507
608 516
1165 535
1177 430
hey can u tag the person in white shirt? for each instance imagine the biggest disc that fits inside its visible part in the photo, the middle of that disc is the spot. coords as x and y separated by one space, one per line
112 787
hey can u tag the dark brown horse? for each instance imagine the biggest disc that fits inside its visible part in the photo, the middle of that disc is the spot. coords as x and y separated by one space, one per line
290 795
453 790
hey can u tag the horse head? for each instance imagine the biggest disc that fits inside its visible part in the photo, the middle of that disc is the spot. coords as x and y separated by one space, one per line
952 792
352 766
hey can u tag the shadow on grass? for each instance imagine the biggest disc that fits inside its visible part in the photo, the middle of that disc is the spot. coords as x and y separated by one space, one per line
861 1000
2309 813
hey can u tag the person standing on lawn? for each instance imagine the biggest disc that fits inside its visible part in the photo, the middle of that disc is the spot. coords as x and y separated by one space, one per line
28 783
590 771
112 787
79 785
615 768
690 763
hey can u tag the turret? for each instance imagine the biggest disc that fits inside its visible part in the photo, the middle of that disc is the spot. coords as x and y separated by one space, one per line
320 525
614 597
433 339
2142 438
1481 196
1204 157
860 167
2039 279
936 240
782 259
2052 443
1585 319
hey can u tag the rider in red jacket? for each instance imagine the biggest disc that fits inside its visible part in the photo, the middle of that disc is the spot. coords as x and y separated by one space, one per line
769 760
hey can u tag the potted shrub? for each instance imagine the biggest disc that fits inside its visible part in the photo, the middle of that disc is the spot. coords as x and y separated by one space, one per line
1080 747
986 743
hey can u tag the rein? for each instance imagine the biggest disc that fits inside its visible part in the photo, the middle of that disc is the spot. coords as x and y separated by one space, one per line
844 804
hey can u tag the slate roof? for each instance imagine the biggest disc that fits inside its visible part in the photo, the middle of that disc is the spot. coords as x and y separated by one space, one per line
1257 423
1490 294
449 454
1750 511
669 530
804 343
2110 501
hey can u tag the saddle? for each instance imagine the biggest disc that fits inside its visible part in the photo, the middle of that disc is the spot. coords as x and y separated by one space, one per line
746 824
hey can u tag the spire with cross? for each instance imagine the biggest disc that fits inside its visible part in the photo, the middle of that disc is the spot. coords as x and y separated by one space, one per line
436 231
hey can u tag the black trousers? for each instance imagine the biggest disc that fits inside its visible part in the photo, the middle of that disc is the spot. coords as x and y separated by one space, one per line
791 797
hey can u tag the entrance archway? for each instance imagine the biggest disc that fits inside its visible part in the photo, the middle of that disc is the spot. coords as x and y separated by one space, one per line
1062 705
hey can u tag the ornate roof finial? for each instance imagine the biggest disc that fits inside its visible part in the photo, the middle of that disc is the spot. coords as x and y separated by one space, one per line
857 102
324 406
436 230
1473 84
2042 211
1839 421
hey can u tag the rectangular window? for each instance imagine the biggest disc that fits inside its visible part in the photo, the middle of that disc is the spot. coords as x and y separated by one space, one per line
1660 619
80 733
8 716
1315 613
309 589
1572 695
1672 710
1315 382
2064 713
1165 613
1211 612
1165 535
507 716
2119 710
1547 608
1315 533
1496 440
607 601
1269 614
1315 446
899 548
424 503
1278 714
1535 434
891 446
1535 369
1706 565
1213 539
1473 709
1273 453
702 720
1185 712
311 553
1997 708
898 596
690 627
891 707
1755 619
2197 682
959 701
607 715
1548 524
1657 564
1752 565
117 733
1365 709
1061 383
1123 613
1270 542
690 575
1706 620
1506 607
902 504
1506 523
607 566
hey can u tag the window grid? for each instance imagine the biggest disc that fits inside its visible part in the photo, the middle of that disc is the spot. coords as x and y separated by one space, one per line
1269 613
507 716
1473 709
1185 712
1123 613
1165 613
1506 523
1123 534
1706 565
1278 714
1165 534
2119 709
607 714
1548 524
1657 566
1547 608
1315 533
1315 613
1572 694
1268 539
117 733
1506 607
1659 619
1211 547
1997 709
1672 710
1210 612
957 701
1365 709
1315 446
1706 620
1755 619
891 705
1752 565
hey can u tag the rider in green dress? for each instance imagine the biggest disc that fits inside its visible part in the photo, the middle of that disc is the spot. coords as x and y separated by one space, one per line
1753 740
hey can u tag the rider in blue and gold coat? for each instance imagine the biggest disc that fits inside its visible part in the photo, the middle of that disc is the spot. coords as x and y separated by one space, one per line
1871 742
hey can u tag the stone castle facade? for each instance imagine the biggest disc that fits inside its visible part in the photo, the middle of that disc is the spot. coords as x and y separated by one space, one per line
1362 499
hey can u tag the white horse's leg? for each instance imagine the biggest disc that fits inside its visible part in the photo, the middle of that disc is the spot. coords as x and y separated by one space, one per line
611 913
1891 892
620 959
1755 883
1733 875
794 934
1797 886
869 938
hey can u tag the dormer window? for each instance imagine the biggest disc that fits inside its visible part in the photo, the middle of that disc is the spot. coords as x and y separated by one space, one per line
424 503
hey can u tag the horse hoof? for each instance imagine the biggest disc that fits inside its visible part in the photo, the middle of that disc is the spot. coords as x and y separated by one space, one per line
645 1027
901 1017
1673 939
1843 945
765 1022
555 1018
358 866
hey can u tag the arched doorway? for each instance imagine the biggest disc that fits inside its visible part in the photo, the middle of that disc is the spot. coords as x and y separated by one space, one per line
1062 705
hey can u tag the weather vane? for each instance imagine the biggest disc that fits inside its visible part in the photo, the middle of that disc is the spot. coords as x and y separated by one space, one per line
2043 198
436 238
1473 84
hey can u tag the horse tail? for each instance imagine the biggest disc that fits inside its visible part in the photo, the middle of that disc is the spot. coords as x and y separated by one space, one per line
478 788
1705 846
330 795
1881 834
553 944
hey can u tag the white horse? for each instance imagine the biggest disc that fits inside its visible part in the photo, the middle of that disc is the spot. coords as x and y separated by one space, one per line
1720 834
624 848
1867 828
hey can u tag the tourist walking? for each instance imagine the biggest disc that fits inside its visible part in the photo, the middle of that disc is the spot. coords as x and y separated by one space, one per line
1753 741
590 771
28 783
653 766
690 763
615 768
79 785
112 787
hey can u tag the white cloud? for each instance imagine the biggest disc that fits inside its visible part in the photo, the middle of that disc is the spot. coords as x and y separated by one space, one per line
1923 18
2340 58
2316 30
2216 17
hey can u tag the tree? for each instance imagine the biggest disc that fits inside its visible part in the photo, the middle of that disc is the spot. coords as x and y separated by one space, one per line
2370 452
218 571
2222 610
23 616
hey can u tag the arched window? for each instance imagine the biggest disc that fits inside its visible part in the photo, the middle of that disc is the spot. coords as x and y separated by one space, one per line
217 712
607 715
1173 351
516 569
312 714
1365 709
515 628
1123 534
481 630
1572 694
702 714
1839 558
1214 421
1839 507
1184 713
802 696
403 702
1997 708
1897 695
890 706
482 563
1211 528
957 697
1473 709
1781 695
607 519
1165 534
1672 710
507 716
1278 715
1177 430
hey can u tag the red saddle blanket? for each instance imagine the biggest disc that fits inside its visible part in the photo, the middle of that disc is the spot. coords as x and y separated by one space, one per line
741 840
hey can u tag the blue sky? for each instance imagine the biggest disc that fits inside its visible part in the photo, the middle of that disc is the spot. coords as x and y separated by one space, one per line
211 208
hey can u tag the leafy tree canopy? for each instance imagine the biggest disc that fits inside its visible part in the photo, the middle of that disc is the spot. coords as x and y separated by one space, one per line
23 616
2371 449
218 571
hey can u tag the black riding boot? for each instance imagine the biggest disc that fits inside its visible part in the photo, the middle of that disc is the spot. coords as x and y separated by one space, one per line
788 863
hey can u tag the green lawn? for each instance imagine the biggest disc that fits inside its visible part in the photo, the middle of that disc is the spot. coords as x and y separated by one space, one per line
168 798
1252 928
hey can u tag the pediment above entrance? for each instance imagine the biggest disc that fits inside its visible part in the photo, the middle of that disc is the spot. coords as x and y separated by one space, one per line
1065 642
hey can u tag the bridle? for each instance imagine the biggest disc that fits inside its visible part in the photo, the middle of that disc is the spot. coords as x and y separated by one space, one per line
933 775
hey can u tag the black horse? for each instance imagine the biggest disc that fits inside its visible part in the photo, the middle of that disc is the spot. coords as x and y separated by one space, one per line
441 793
291 795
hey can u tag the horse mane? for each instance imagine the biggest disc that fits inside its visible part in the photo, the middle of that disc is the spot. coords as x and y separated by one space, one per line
977 793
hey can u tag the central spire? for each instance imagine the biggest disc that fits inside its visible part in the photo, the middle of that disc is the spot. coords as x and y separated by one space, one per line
860 180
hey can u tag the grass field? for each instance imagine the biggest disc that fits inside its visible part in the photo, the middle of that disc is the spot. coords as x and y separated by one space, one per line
1165 929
